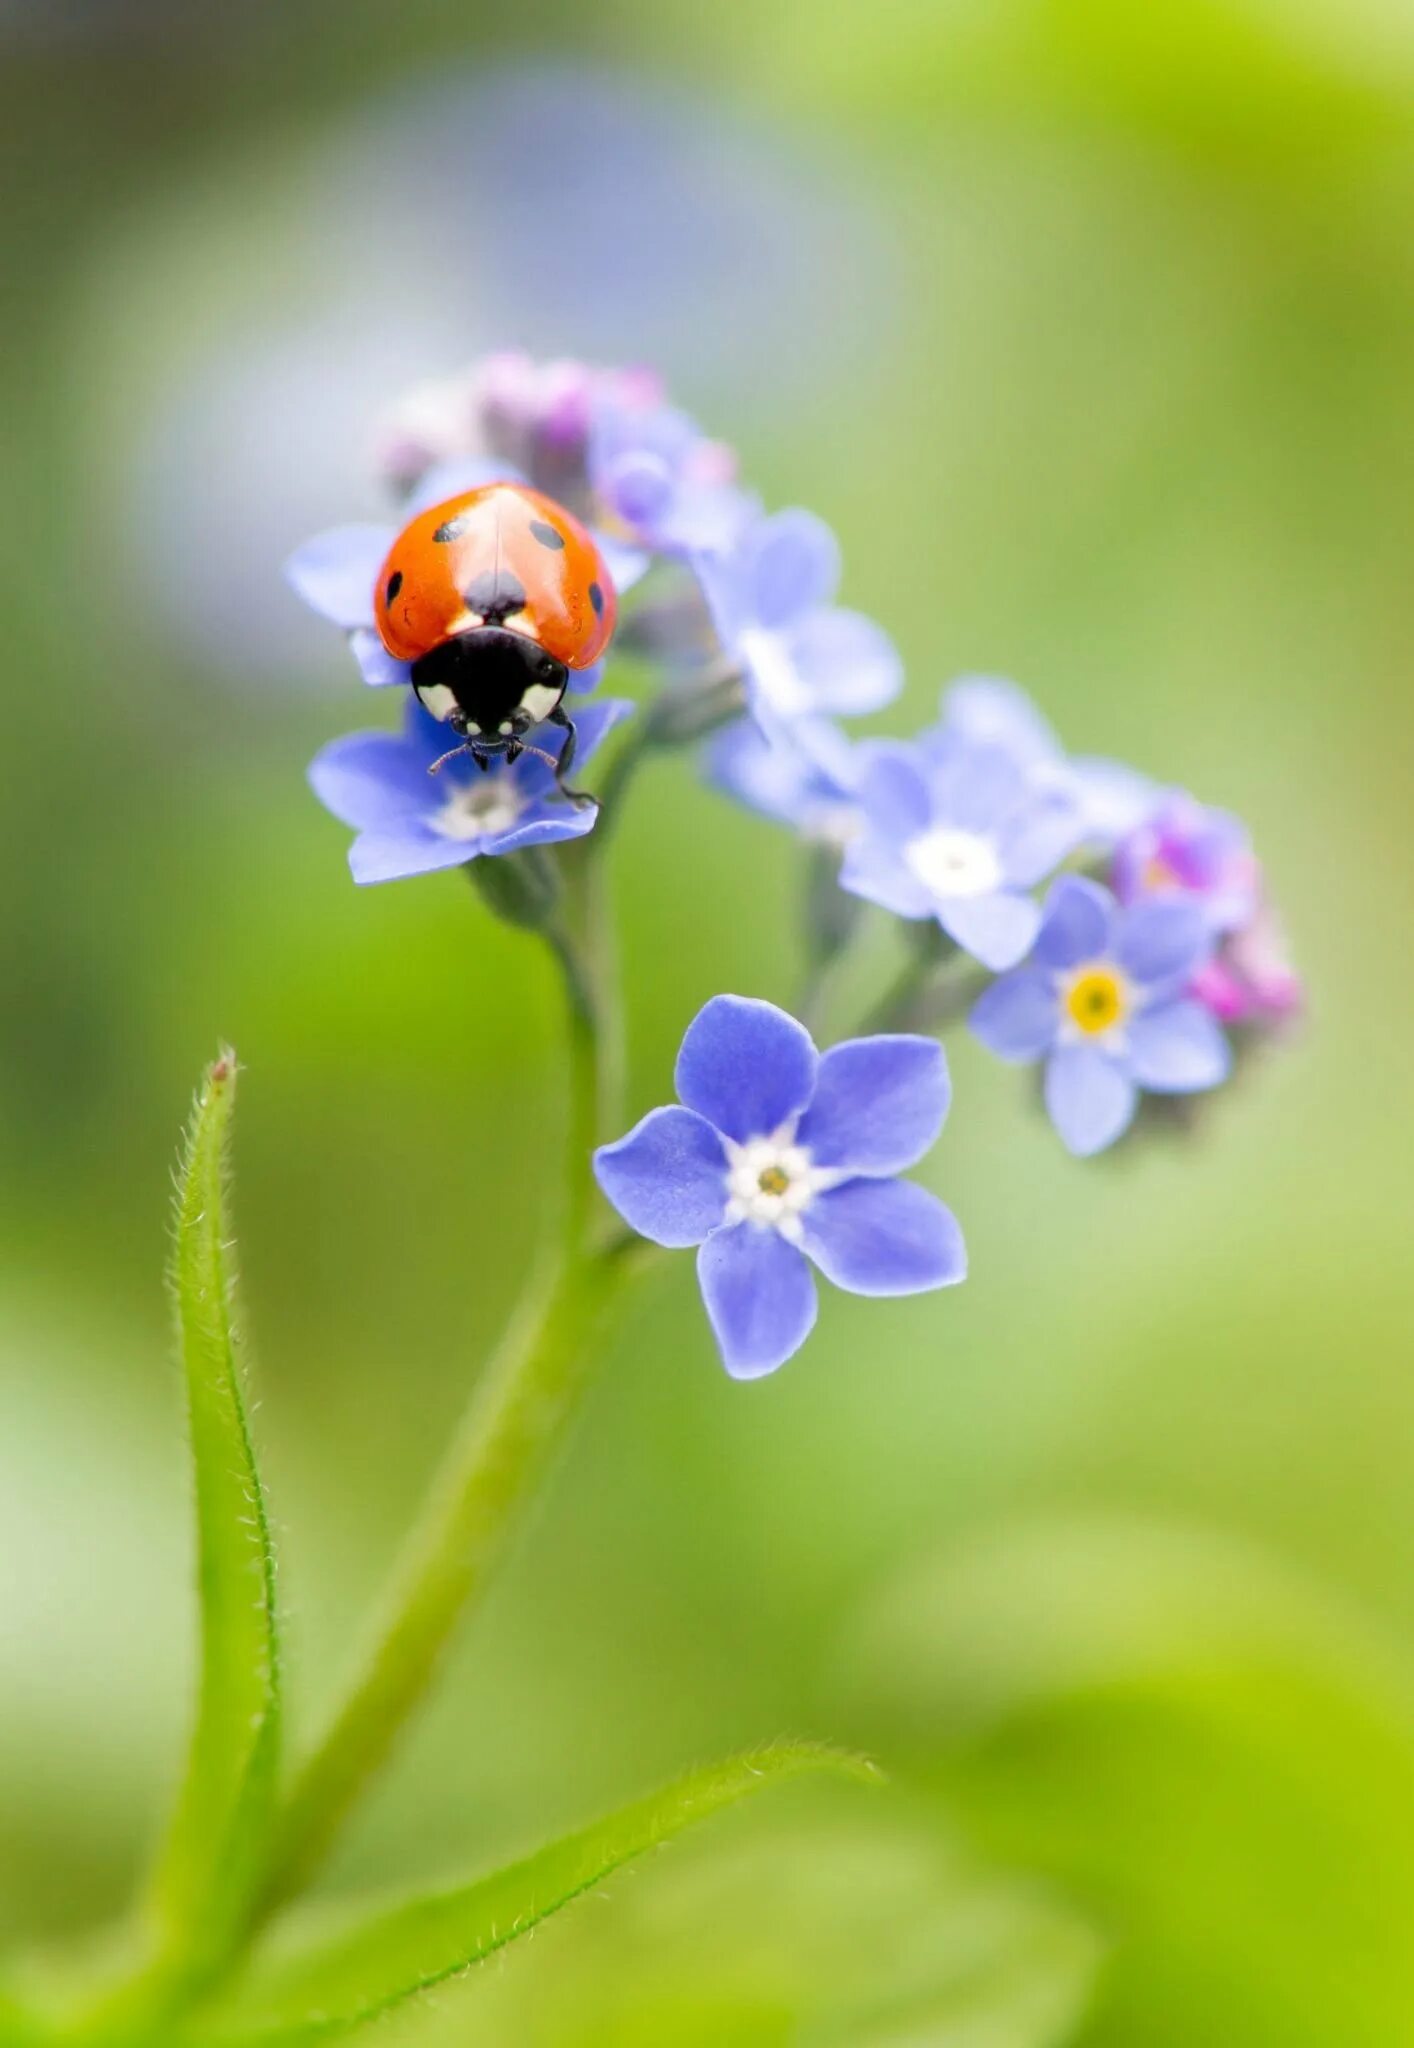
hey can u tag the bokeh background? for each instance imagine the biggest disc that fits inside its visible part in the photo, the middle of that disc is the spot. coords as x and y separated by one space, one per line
1089 327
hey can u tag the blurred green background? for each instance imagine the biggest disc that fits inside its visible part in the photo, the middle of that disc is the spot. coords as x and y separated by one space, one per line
1089 327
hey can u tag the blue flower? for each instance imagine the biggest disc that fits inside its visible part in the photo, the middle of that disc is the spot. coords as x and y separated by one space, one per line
1103 1001
780 1156
412 822
961 834
1188 849
655 473
800 655
804 776
1111 798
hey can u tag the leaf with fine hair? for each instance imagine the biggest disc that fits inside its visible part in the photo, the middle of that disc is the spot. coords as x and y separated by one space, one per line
218 1834
330 1984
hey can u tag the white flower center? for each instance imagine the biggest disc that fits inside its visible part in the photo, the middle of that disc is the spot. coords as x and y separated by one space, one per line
479 808
952 863
771 1182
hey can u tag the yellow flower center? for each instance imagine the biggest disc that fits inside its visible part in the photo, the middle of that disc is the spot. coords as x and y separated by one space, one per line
1096 1000
773 1181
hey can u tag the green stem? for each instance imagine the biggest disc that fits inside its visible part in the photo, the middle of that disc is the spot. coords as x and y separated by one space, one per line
932 990
895 1008
681 714
515 1420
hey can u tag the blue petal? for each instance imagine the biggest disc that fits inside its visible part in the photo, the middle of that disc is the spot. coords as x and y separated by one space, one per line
1090 1099
372 780
1016 1017
1037 838
791 563
724 592
975 788
667 1178
878 872
884 1237
847 662
997 929
707 516
1113 798
990 711
544 827
378 668
1078 923
768 775
894 791
760 1298
879 1104
1162 940
1178 1048
746 1066
456 475
592 723
335 573
638 485
584 681
801 774
393 856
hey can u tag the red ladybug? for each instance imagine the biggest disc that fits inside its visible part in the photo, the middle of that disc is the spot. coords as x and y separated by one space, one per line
494 596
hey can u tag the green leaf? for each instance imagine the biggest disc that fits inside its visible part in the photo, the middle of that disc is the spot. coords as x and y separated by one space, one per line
218 1833
329 1985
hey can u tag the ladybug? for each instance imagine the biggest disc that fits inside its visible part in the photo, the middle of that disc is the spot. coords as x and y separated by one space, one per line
493 596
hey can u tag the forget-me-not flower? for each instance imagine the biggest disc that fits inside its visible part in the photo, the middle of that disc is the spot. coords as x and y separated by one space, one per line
1184 848
655 474
990 711
412 822
1250 981
1104 1001
958 833
780 1156
771 597
805 776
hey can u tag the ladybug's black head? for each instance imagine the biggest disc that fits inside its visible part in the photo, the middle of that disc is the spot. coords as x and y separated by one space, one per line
491 685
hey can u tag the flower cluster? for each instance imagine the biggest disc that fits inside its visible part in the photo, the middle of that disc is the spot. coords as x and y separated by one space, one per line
745 614
1087 920
1155 952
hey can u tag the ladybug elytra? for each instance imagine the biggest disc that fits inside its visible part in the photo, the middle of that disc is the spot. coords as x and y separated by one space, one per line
493 597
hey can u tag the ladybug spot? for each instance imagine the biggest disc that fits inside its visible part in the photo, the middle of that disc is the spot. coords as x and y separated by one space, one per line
395 584
495 593
453 528
596 598
546 534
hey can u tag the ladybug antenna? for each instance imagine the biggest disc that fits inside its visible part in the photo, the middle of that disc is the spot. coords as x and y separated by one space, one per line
540 754
450 755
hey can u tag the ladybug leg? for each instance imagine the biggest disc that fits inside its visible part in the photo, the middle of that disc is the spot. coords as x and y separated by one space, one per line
578 797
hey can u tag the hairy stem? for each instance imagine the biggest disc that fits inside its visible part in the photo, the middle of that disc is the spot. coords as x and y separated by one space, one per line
516 1418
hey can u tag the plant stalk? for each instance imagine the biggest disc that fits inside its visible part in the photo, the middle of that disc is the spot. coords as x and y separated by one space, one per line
514 1423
